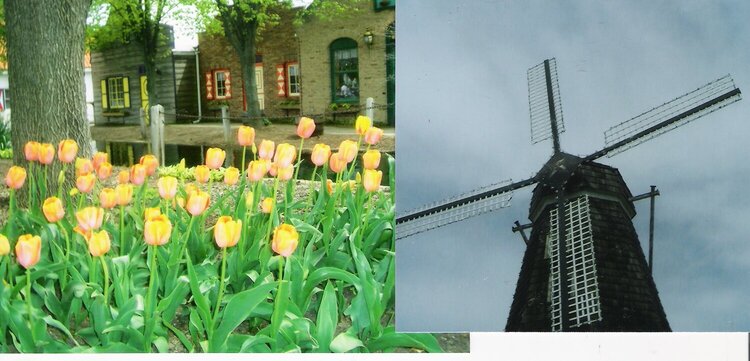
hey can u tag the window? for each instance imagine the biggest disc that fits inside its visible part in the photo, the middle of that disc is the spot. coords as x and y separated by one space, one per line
115 93
4 99
344 71
218 84
292 71
221 85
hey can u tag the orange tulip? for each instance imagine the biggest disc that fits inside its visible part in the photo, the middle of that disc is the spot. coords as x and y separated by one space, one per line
362 124
150 162
124 194
256 170
99 243
285 240
28 250
227 231
320 154
167 186
373 135
53 209
265 151
90 218
46 153
31 151
138 174
83 166
329 186
98 159
85 183
231 176
104 170
197 202
285 173
372 180
337 163
215 158
285 154
108 198
123 177
16 177
202 174
4 245
150 213
266 206
348 150
157 230
371 159
245 136
67 150
306 127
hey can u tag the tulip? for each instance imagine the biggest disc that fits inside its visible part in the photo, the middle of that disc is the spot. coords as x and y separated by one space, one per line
285 240
104 170
150 213
320 154
273 169
83 166
373 135
256 170
245 136
265 151
180 201
123 177
337 163
329 186
249 200
90 218
285 173
46 153
16 177
85 183
215 158
53 209
362 124
99 243
197 202
285 154
372 180
305 128
348 150
124 194
67 150
227 231
156 231
371 159
266 206
28 250
202 174
31 151
150 162
85 234
4 245
98 159
231 176
190 188
138 174
167 186
108 198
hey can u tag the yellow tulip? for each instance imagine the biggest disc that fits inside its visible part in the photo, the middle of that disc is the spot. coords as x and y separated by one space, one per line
231 176
227 231
157 230
104 170
337 163
85 183
4 245
245 136
167 186
197 202
90 218
266 206
215 158
123 177
248 200
348 150
202 174
285 155
99 243
31 151
371 159
150 162
285 173
28 250
372 180
256 170
362 124
150 213
16 177
53 209
285 240
67 150
320 154
46 153
306 127
265 151
108 198
98 159
83 166
124 194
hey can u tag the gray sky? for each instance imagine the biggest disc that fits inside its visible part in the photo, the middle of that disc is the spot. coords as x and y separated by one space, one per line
463 122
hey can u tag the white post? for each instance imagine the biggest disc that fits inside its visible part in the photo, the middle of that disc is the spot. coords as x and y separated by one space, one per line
163 157
227 135
156 141
370 108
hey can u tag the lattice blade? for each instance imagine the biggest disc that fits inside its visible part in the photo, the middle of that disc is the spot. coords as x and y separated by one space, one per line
542 113
454 209
670 115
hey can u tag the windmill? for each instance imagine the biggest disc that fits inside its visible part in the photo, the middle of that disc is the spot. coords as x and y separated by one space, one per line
583 268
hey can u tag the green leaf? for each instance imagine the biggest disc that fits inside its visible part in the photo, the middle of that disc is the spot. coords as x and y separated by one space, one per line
237 310
328 317
58 325
345 342
390 339
201 301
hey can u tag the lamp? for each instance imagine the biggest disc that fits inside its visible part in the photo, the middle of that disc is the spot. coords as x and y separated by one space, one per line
368 38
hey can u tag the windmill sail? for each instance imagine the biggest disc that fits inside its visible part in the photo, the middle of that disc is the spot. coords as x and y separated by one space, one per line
545 106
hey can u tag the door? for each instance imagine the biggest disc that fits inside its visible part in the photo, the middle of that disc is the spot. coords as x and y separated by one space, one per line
259 84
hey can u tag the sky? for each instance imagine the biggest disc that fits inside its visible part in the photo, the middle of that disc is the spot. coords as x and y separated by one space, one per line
463 122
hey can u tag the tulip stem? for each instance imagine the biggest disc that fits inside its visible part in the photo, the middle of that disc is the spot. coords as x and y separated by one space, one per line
221 282
64 280
148 312
351 168
10 276
310 189
122 228
187 237
299 158
60 184
28 304
106 280
244 166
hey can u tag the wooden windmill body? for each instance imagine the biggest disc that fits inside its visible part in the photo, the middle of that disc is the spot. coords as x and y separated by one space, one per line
583 268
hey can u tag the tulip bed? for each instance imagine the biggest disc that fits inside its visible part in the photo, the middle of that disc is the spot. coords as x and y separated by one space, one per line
156 264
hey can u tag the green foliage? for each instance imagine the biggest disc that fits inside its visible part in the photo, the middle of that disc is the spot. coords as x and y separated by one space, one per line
4 137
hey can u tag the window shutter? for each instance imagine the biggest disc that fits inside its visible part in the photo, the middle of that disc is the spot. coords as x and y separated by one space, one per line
209 85
126 92
281 80
105 105
227 84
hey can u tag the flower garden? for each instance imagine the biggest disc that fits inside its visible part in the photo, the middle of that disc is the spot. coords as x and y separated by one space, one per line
208 259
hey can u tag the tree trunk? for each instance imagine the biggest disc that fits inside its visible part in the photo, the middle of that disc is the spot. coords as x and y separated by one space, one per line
45 42
247 63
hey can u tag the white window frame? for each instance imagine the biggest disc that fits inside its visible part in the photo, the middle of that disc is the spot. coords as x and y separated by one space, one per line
220 88
116 92
293 80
